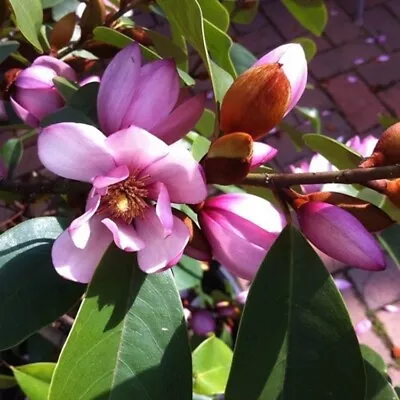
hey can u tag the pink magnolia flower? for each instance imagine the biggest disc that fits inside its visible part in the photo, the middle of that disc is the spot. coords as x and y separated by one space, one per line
364 146
145 96
240 228
294 64
35 95
340 235
135 177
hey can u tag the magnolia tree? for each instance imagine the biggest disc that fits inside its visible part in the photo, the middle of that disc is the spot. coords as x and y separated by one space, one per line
154 254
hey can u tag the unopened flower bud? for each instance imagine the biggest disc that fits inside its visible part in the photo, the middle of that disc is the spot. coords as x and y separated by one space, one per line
387 150
264 94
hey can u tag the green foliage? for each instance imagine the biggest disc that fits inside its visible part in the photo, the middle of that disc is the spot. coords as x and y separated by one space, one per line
11 153
302 344
7 381
129 339
33 294
205 125
65 87
211 364
29 17
242 58
187 273
34 379
6 48
309 47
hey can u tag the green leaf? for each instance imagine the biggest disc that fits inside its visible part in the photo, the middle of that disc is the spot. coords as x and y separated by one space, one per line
216 13
205 125
222 81
309 47
211 364
390 240
335 152
378 387
118 39
311 14
200 147
66 114
166 47
295 340
311 114
242 58
7 382
29 18
6 48
85 100
34 379
32 293
187 273
241 16
129 338
294 134
65 87
50 3
11 153
64 8
387 120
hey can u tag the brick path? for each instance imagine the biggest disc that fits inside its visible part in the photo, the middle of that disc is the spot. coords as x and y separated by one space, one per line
356 74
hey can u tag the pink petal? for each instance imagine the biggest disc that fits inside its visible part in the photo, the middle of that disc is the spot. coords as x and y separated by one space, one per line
181 120
262 153
35 77
163 209
251 208
363 326
80 227
197 254
181 174
160 252
74 151
24 114
79 264
240 256
340 235
59 67
242 296
136 148
294 64
156 95
392 308
125 236
89 79
342 284
118 88
114 176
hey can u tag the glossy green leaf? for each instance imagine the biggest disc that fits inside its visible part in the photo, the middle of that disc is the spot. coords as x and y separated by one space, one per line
7 382
200 147
211 364
337 153
390 240
66 114
219 45
29 17
32 293
50 3
65 87
187 273
311 14
216 13
34 379
295 340
11 153
166 47
118 39
85 100
312 115
244 15
180 41
242 58
378 386
205 125
64 8
6 48
129 338
309 47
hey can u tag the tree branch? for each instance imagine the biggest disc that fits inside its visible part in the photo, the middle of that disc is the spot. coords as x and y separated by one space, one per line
346 176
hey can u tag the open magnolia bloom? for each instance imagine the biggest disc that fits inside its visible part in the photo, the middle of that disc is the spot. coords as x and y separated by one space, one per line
145 96
240 228
260 97
135 177
35 96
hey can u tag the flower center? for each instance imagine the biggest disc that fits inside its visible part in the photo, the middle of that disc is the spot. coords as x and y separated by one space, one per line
127 199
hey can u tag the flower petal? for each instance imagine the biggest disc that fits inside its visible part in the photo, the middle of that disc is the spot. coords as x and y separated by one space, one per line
24 114
236 253
79 264
262 153
156 95
116 175
59 67
181 120
125 236
136 148
118 88
163 208
340 235
160 252
35 77
181 174
292 58
251 208
74 151
80 227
